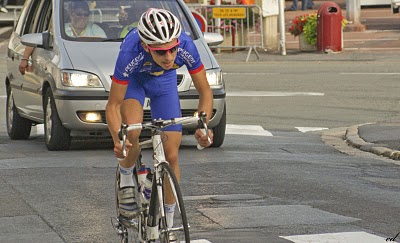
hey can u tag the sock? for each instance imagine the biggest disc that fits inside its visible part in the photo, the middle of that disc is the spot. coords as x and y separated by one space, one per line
126 178
169 213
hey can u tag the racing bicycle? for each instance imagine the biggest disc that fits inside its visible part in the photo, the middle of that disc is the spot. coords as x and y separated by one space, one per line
151 224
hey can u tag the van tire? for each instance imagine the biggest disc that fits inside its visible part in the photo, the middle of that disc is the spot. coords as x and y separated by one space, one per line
56 136
18 128
219 131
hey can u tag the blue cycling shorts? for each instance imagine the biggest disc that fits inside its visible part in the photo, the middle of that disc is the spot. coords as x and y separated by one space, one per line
163 94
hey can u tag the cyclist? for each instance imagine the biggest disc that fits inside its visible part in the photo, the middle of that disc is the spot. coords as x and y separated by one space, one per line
146 67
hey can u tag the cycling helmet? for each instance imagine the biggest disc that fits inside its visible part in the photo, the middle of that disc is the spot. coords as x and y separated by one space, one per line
158 26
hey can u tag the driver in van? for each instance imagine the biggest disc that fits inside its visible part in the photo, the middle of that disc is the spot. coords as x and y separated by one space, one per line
80 26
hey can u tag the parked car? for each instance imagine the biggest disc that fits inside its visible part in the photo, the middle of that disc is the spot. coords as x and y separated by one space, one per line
395 6
70 78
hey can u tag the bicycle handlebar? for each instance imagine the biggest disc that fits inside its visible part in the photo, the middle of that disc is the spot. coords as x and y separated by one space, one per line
159 124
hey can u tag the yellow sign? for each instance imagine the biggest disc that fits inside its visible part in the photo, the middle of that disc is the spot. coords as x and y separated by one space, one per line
229 13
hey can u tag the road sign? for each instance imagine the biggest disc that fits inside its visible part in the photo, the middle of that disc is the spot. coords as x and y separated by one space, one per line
229 13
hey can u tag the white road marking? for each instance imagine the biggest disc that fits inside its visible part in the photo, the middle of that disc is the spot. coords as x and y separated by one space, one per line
370 73
344 237
3 96
40 129
310 129
253 130
251 73
198 241
4 30
271 93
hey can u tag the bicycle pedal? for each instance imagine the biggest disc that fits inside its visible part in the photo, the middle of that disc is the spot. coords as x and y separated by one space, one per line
117 226
130 223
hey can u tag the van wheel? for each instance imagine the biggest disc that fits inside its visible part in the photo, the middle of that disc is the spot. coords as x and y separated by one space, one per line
219 131
57 137
17 126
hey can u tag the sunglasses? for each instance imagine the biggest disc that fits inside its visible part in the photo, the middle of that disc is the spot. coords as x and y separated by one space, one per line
82 14
162 50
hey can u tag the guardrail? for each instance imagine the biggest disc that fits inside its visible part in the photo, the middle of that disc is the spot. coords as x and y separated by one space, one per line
240 25
11 16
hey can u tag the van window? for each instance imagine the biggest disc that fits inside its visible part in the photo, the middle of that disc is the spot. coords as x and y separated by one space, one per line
44 17
110 19
29 23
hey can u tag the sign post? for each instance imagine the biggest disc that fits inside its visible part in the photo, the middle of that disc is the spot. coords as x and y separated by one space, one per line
270 12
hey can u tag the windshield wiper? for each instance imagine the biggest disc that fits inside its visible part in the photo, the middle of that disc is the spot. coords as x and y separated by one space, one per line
113 39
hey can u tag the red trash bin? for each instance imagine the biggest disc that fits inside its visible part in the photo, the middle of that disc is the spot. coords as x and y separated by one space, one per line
329 28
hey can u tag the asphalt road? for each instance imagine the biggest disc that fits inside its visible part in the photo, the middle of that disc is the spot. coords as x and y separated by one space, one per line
283 186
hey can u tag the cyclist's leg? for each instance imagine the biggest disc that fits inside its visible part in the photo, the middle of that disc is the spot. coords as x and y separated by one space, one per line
165 104
131 112
171 148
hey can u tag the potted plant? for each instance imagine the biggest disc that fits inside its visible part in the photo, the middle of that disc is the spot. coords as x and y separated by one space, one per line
305 26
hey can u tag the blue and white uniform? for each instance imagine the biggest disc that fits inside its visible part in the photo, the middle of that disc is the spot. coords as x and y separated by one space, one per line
136 68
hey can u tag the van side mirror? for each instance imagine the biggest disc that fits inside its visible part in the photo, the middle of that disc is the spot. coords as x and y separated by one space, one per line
41 40
213 39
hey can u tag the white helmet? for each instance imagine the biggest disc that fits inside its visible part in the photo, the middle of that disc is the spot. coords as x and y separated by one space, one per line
158 26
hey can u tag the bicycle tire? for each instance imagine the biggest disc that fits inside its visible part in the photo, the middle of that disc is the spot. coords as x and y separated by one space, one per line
180 217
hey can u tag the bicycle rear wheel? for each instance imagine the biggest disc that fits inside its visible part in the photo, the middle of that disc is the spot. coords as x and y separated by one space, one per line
180 227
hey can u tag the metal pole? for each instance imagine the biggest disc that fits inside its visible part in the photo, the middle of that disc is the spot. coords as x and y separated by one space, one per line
353 15
218 24
282 27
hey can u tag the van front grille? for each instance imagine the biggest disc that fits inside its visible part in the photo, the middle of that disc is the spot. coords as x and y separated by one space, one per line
179 79
147 114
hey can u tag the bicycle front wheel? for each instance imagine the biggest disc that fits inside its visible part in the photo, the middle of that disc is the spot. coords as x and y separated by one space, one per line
179 230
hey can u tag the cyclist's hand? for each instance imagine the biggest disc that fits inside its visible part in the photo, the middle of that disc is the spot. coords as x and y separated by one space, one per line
118 149
202 139
23 66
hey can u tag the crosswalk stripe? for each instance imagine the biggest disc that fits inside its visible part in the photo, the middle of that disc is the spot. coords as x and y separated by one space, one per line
254 130
342 237
271 94
310 129
198 241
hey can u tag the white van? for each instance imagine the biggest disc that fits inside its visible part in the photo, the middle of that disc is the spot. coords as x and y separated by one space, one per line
69 82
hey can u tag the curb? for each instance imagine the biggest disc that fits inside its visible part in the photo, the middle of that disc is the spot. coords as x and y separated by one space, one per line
353 139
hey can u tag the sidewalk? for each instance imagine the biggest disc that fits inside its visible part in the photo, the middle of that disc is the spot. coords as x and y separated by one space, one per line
381 138
382 35
380 40
382 28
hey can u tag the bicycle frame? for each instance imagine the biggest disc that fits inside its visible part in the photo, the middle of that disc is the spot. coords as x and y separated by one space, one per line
155 209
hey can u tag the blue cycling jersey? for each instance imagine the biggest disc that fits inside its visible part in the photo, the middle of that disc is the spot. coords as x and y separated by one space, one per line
136 68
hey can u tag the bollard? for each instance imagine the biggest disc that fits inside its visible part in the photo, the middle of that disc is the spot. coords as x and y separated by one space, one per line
329 28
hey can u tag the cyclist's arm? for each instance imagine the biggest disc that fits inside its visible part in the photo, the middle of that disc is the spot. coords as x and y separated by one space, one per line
205 92
113 114
205 104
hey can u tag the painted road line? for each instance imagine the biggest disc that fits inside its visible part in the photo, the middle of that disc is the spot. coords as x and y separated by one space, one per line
271 94
370 73
250 73
253 130
310 129
344 237
39 129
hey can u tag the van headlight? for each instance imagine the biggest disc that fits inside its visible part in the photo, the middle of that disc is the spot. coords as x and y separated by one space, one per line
214 78
80 79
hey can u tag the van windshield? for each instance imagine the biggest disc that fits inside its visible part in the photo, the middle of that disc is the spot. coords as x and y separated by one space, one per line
111 20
